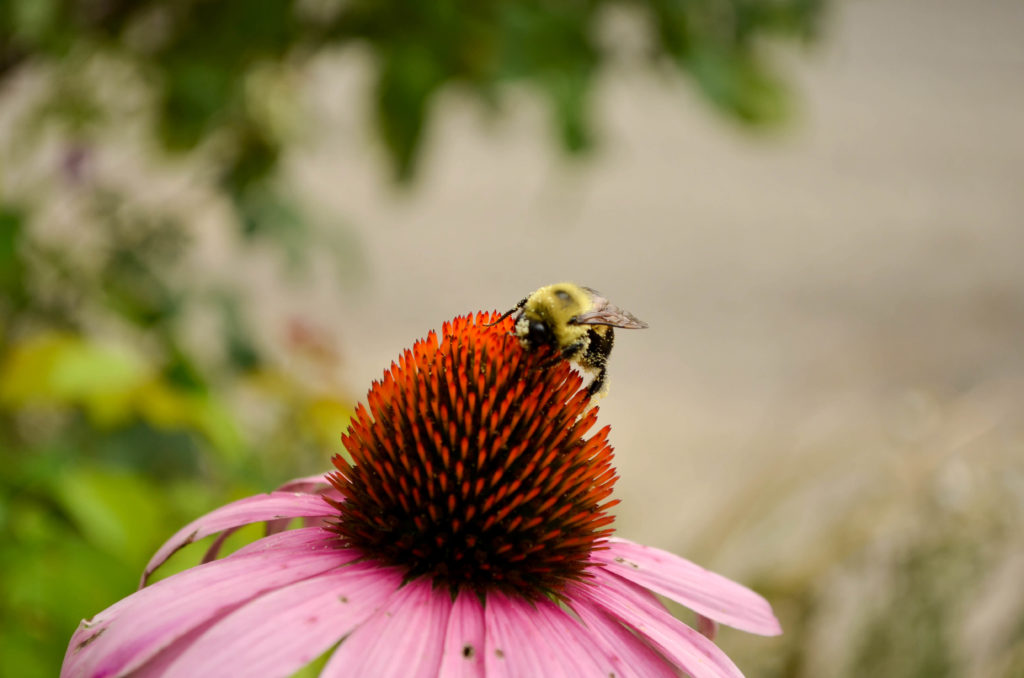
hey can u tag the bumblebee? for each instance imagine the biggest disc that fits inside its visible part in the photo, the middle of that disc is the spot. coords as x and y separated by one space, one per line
575 321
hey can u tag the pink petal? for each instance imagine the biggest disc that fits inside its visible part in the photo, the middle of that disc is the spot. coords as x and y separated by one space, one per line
632 657
706 593
282 631
583 654
157 666
509 650
708 627
463 654
538 639
691 651
317 484
214 550
306 485
127 634
256 509
404 639
303 538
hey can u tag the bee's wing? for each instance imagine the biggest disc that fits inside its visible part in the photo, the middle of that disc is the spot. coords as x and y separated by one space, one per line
604 313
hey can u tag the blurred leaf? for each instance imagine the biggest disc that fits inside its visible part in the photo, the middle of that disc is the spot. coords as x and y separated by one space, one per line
408 79
267 214
170 408
157 452
552 45
326 418
32 20
132 279
112 509
241 350
197 91
59 369
738 85
254 161
48 577
112 385
12 269
568 92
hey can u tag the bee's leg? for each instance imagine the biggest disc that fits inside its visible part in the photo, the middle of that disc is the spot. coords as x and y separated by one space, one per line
576 351
551 361
571 352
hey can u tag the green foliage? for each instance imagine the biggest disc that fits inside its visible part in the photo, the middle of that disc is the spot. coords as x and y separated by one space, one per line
197 57
11 272
111 441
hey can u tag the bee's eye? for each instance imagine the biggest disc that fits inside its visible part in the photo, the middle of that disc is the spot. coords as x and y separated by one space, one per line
539 333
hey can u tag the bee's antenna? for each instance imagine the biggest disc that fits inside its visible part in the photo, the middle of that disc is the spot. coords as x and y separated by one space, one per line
503 316
508 313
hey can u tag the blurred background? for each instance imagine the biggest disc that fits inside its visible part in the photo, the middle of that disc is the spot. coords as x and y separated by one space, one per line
219 221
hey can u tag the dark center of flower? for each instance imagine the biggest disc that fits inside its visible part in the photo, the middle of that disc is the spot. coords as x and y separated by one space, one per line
470 465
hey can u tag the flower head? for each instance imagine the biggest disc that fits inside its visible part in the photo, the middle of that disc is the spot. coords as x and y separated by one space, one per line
467 536
472 468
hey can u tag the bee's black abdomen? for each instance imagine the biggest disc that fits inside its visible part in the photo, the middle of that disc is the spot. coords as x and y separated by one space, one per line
596 357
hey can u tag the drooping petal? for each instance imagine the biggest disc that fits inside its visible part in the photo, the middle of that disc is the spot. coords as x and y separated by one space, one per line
707 593
130 632
306 485
463 654
214 550
262 507
282 631
403 639
624 601
526 638
317 484
631 655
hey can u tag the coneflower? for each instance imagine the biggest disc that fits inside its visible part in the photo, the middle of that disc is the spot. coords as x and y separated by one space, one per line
468 535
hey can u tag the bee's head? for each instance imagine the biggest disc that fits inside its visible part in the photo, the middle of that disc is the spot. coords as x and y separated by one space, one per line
547 316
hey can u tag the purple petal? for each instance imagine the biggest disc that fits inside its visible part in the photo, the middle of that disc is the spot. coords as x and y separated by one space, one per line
706 593
317 484
256 509
538 639
583 654
463 654
157 666
631 655
133 630
509 650
306 485
404 639
282 631
214 550
708 627
304 538
691 651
